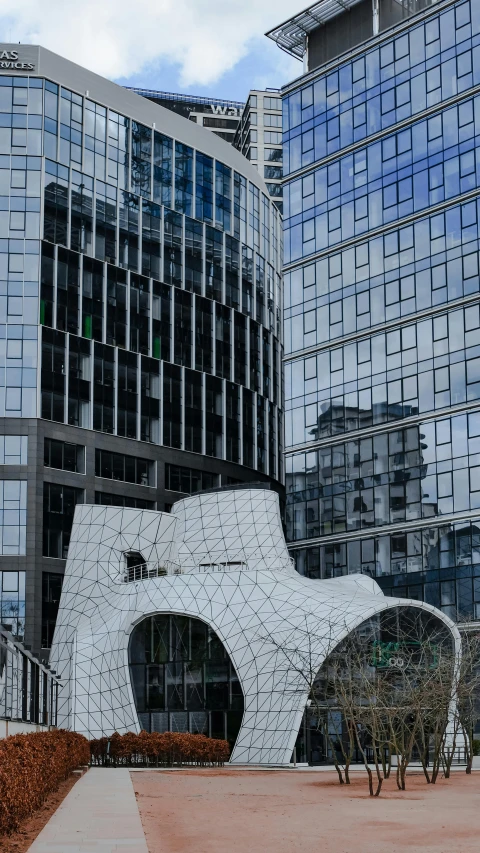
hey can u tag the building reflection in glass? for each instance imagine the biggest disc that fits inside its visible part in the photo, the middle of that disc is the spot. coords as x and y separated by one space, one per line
404 477
183 679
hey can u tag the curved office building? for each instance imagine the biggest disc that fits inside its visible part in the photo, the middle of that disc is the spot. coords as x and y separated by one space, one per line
197 621
142 300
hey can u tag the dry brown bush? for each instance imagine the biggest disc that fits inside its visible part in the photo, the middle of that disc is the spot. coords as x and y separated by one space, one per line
156 748
31 767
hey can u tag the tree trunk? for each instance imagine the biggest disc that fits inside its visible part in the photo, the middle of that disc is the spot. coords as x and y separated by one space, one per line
370 780
377 770
389 763
423 760
399 785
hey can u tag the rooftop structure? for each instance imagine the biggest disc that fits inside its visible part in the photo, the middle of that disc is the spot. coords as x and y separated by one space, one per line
291 36
330 27
215 114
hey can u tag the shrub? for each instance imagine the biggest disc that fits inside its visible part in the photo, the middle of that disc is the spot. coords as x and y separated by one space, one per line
31 767
166 748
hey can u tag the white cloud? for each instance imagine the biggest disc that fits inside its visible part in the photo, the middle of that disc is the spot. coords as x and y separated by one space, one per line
118 38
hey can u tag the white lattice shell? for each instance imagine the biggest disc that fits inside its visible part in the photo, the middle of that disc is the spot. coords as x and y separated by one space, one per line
231 568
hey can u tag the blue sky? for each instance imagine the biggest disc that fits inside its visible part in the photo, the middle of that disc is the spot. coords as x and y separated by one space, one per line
264 66
206 47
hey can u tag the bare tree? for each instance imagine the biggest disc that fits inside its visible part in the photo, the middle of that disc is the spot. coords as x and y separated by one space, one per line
392 687
466 708
297 653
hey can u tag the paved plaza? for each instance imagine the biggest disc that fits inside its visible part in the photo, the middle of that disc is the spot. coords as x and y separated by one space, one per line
226 810
251 811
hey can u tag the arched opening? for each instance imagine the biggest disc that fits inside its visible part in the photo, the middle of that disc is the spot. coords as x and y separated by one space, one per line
183 679
379 658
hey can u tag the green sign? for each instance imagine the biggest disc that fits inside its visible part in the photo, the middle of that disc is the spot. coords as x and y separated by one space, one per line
397 655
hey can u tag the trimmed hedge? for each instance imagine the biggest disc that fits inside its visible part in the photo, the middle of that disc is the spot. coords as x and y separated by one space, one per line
31 767
155 748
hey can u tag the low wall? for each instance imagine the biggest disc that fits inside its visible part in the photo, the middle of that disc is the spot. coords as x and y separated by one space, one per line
16 727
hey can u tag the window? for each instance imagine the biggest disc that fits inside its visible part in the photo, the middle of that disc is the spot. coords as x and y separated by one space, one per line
272 136
12 602
189 480
272 172
273 154
13 449
182 678
270 120
59 504
129 469
67 457
109 499
272 103
13 517
51 591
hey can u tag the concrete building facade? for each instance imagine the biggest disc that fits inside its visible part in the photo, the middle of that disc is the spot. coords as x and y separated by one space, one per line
259 138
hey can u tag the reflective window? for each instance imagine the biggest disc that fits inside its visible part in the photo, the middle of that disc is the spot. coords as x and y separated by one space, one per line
408 371
412 170
182 678
439 564
406 75
13 517
386 141
422 471
162 169
12 602
141 159
13 449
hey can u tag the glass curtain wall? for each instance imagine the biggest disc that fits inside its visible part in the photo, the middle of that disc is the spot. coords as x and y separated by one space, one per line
86 271
183 679
382 309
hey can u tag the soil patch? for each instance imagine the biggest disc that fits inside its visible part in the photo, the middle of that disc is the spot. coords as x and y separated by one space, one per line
21 841
215 810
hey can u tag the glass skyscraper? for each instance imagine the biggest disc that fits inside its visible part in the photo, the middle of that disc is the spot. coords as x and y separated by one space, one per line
382 296
140 317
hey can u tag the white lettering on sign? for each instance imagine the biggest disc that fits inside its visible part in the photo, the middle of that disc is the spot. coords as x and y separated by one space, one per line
224 111
9 62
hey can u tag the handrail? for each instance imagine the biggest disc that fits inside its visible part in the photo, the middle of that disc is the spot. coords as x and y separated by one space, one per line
145 571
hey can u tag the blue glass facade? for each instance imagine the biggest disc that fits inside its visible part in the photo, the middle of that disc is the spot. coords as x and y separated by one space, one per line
382 311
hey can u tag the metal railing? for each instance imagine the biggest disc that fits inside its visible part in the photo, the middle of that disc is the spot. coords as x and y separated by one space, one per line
146 571
28 688
190 99
223 566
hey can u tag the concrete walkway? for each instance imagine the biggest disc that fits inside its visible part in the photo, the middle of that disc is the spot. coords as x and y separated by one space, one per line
99 815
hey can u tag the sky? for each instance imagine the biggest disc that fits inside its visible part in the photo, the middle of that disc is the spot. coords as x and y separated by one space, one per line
203 47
